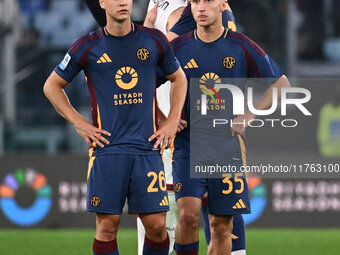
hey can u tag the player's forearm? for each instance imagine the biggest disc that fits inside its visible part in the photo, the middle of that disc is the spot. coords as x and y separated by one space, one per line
58 98
150 18
148 24
174 18
161 116
177 95
267 100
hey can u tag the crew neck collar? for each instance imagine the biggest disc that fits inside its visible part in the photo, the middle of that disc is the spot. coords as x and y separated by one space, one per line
223 35
127 36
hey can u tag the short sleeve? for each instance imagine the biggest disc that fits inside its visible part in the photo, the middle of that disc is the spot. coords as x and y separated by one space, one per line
167 60
260 64
68 68
73 61
265 67
160 77
228 20
186 23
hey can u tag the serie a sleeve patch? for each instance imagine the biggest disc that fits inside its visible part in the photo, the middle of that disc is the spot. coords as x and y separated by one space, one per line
65 62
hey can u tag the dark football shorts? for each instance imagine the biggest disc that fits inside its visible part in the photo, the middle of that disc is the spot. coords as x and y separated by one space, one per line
226 196
138 178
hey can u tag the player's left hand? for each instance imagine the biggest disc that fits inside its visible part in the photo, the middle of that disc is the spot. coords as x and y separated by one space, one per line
164 135
241 122
182 125
151 16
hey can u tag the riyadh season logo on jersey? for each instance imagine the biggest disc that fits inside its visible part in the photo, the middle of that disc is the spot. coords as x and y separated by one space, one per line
290 97
207 85
126 78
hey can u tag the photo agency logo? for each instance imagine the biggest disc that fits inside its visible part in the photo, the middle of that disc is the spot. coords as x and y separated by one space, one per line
241 100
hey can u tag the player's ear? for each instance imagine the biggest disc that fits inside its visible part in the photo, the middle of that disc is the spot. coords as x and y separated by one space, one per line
224 5
102 4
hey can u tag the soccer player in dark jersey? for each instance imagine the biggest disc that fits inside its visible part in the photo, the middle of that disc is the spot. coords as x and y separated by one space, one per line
187 23
182 25
120 62
215 51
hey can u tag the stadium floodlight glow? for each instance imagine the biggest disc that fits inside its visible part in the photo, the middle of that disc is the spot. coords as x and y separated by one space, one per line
238 100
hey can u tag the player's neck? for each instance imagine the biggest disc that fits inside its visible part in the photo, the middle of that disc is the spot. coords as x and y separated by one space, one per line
210 33
118 28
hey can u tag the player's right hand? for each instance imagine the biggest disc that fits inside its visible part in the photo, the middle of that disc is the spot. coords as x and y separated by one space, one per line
238 127
164 135
90 133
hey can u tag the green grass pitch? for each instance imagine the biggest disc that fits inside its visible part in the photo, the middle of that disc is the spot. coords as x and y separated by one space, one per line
79 242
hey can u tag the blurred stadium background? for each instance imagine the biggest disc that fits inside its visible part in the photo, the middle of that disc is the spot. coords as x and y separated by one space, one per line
43 162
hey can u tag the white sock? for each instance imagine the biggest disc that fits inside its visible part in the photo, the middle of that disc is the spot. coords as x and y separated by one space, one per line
141 235
171 221
239 252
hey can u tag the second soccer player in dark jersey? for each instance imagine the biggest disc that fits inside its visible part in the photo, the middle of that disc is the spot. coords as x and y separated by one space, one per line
209 53
187 23
120 63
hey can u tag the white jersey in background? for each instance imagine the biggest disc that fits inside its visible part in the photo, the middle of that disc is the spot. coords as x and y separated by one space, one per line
165 9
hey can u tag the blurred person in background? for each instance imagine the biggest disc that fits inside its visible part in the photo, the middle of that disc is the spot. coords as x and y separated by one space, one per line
212 50
9 15
162 15
328 135
310 45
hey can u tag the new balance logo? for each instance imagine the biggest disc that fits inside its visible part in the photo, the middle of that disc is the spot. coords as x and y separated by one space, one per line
191 64
164 201
239 205
104 59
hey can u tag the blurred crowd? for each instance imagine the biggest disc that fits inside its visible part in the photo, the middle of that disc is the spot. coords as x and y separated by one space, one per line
58 22
45 28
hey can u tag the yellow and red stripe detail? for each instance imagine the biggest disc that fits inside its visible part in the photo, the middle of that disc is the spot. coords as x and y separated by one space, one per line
154 115
243 152
92 158
172 148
